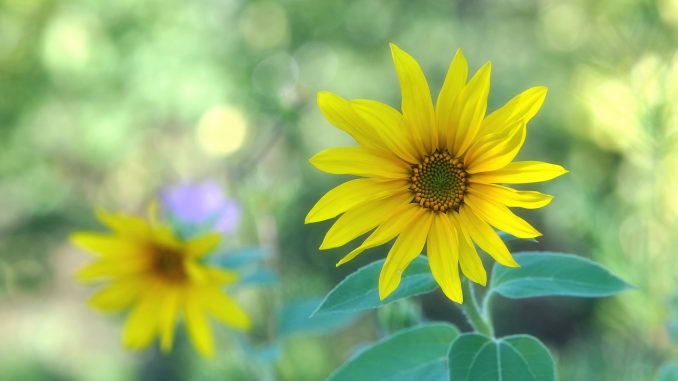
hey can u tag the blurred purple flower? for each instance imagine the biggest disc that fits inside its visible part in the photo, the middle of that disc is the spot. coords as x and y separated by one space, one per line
200 203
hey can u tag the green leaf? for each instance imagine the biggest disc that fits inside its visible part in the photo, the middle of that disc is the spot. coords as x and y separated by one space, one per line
239 258
668 372
418 354
359 291
473 357
295 317
508 238
554 274
260 276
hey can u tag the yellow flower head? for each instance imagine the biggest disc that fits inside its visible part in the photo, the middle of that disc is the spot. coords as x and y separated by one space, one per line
429 175
158 276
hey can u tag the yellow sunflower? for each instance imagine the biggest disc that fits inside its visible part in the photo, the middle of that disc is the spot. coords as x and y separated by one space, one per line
430 176
158 276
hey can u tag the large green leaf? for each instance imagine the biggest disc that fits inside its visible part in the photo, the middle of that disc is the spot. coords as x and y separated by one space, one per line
295 317
549 274
474 357
359 291
417 354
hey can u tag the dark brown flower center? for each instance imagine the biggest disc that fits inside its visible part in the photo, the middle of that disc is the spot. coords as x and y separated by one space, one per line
168 263
439 182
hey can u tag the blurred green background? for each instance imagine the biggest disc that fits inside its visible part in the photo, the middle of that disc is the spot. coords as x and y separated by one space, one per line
104 103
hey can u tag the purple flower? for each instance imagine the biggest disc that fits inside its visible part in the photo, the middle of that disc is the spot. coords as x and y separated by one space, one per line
202 203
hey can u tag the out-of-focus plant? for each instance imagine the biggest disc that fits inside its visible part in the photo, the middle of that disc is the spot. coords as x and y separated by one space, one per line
158 276
429 177
201 205
174 267
669 370
634 114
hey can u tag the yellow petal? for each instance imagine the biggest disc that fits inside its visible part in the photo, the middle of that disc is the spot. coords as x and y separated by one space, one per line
362 219
500 216
165 236
360 162
196 323
513 198
105 245
125 225
118 295
406 248
224 308
391 127
455 80
397 221
468 111
220 276
167 318
498 153
199 246
197 273
338 111
417 104
153 212
351 194
489 141
469 261
443 256
113 268
520 172
486 238
522 107
142 324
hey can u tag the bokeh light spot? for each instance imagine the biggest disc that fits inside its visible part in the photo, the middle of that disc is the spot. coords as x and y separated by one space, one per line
264 25
68 42
565 26
317 64
277 76
668 10
221 131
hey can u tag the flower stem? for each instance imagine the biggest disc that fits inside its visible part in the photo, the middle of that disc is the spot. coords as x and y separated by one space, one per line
486 307
472 310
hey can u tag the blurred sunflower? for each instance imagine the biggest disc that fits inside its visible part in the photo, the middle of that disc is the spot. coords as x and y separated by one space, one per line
158 275
430 176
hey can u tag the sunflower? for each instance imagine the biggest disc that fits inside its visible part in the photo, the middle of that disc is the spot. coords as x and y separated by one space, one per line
148 269
430 176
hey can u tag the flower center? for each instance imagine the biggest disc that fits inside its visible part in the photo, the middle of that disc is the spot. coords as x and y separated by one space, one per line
439 182
168 263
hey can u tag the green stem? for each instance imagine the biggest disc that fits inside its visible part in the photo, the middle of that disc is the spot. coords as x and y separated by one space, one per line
486 307
472 311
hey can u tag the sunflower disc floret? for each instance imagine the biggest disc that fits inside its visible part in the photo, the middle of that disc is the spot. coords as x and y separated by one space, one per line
439 182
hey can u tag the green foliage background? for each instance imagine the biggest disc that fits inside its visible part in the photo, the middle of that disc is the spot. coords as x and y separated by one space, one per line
101 103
